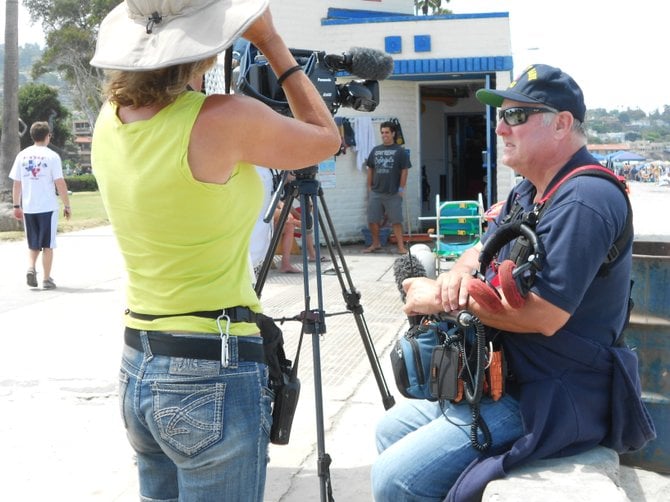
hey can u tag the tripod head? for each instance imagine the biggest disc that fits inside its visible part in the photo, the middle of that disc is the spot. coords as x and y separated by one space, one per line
302 176
307 173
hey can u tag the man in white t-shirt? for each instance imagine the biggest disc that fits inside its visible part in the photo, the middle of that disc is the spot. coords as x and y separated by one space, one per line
37 173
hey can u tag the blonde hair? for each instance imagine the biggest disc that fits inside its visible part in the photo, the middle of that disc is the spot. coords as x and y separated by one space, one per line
154 87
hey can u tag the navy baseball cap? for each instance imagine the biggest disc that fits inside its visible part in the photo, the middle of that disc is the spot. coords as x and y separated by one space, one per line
541 84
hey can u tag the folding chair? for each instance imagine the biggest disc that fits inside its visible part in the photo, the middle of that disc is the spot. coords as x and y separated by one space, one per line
458 227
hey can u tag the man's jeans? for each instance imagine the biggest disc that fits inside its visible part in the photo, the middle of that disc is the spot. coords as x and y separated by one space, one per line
200 431
422 451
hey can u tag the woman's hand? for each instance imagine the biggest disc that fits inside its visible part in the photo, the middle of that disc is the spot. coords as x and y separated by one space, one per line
261 31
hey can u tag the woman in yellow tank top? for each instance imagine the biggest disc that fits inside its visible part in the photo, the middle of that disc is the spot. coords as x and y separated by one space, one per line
177 177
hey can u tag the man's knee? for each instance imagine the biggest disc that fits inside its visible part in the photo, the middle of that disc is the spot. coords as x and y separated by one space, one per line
383 481
386 433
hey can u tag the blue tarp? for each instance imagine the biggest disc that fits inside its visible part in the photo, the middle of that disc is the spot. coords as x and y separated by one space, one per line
623 156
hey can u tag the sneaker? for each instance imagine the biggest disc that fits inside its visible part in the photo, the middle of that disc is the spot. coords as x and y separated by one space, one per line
31 278
48 284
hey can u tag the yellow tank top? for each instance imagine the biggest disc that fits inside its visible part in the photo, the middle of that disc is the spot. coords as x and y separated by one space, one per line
185 243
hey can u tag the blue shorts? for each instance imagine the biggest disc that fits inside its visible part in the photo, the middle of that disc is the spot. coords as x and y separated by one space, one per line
41 229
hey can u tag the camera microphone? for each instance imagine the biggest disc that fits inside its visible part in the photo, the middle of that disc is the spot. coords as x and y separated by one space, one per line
368 64
405 267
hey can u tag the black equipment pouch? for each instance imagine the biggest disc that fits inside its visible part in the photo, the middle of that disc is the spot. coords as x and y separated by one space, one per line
411 360
273 346
283 410
284 380
444 370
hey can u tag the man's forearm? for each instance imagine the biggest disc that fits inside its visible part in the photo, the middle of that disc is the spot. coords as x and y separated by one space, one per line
403 178
61 187
468 261
16 193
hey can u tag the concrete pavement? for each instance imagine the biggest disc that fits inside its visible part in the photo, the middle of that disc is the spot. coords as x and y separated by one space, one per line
60 429
61 432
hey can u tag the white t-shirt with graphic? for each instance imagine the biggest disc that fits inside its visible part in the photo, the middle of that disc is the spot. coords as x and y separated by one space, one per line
37 167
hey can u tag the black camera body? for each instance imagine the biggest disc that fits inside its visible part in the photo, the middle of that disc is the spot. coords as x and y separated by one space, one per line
256 79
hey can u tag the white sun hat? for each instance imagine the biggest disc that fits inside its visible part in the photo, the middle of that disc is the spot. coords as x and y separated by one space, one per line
150 34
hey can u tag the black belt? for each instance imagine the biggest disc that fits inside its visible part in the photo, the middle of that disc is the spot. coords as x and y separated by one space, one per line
235 314
192 347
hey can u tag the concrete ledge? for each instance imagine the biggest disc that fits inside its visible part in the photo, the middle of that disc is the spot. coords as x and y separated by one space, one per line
588 477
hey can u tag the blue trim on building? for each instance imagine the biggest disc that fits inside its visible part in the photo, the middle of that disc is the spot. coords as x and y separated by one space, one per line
393 45
435 66
429 68
351 16
335 13
422 43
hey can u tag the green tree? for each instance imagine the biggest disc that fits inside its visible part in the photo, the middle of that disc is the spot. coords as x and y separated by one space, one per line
28 54
39 102
632 136
666 113
653 136
70 28
435 7
636 114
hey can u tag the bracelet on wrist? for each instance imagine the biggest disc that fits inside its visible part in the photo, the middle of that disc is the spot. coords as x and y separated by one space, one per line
288 73
16 206
401 189
66 207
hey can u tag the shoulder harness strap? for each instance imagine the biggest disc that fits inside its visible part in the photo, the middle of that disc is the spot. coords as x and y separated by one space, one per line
620 182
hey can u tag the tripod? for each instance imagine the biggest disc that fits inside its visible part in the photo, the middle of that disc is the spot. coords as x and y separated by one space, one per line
307 189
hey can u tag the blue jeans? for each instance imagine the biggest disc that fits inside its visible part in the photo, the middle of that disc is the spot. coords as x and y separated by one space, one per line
200 431
422 452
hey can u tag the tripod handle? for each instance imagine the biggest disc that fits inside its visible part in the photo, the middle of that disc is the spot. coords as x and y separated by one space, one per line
269 214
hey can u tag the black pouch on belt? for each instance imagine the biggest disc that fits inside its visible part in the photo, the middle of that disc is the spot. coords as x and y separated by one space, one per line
284 380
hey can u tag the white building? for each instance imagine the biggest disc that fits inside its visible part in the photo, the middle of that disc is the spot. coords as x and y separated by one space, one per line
439 63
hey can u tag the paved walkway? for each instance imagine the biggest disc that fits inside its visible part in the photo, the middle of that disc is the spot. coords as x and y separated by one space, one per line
60 430
59 363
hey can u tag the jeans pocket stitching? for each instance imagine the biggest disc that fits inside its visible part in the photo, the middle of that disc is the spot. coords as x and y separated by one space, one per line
189 412
124 378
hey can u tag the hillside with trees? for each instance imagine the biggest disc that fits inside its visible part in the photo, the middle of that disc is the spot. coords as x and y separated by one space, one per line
628 125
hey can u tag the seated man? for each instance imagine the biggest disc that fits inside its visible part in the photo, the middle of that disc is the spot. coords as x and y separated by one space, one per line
570 386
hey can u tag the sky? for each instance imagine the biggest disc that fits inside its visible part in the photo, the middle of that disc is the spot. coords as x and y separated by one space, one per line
28 33
617 51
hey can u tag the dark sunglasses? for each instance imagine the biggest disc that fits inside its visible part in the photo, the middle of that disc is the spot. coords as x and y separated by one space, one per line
518 115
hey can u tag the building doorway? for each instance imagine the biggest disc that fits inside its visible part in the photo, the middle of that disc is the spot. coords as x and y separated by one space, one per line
453 145
465 145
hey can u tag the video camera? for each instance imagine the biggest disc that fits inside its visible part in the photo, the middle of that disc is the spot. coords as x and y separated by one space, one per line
256 78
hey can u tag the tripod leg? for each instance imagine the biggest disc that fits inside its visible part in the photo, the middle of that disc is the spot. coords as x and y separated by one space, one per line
352 300
276 237
314 324
314 320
